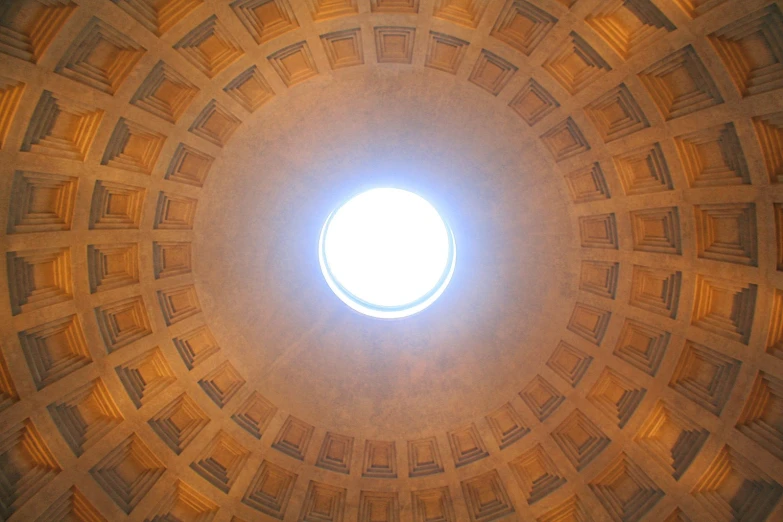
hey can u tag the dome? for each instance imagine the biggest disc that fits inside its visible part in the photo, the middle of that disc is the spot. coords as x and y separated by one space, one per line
608 344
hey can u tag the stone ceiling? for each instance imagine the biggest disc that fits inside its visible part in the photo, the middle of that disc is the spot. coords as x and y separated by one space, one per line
611 345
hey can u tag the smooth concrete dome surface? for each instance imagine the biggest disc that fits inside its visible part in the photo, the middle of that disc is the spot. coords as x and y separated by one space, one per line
609 346
308 350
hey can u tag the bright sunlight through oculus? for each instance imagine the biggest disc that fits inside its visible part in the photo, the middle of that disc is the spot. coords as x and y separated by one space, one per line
387 253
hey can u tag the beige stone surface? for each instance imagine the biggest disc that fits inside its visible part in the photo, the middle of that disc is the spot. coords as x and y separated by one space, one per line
610 347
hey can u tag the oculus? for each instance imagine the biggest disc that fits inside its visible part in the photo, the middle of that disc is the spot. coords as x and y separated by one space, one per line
387 253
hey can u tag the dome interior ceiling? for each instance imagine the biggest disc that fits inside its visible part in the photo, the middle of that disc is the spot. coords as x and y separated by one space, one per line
610 347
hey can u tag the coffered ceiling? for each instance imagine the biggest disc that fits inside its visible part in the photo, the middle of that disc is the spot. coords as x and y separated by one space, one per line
611 345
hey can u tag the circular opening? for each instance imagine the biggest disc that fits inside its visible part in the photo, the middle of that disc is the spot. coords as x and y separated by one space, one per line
387 253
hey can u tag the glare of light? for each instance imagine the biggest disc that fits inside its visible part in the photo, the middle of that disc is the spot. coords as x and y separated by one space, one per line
387 253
